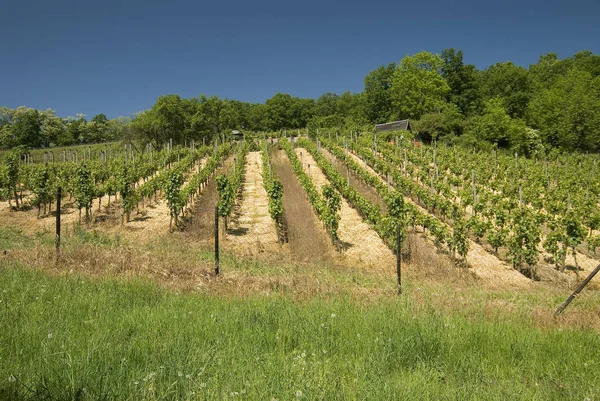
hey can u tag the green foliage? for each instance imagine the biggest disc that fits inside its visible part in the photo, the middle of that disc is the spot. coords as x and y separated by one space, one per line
84 189
523 242
463 81
11 173
315 198
417 86
172 192
273 187
439 124
566 113
226 196
228 186
460 240
40 186
124 186
509 83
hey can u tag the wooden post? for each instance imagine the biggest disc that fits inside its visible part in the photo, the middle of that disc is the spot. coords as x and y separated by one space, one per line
348 175
577 291
217 267
398 260
520 196
58 195
474 188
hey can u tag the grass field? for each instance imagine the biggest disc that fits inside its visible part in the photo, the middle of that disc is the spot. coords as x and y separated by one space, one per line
83 334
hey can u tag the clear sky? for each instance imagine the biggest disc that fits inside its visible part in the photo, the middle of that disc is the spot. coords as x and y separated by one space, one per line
117 57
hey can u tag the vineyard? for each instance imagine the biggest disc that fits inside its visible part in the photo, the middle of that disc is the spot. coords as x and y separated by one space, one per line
296 256
508 220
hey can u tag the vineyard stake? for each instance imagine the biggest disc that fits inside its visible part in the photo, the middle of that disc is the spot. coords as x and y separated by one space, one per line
347 174
577 291
58 195
217 241
398 260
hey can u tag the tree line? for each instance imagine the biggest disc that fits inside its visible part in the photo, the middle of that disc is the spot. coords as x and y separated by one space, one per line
33 128
552 104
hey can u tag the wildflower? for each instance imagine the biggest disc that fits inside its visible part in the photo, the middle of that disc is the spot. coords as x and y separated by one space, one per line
202 385
333 315
49 335
180 374
12 379
298 393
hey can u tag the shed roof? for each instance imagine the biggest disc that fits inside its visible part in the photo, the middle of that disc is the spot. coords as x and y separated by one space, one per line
393 126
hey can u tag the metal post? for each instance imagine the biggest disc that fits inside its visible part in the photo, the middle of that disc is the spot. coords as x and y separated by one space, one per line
217 240
58 195
398 260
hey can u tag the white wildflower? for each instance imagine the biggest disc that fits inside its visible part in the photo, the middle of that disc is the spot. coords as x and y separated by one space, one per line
333 315
298 393
12 379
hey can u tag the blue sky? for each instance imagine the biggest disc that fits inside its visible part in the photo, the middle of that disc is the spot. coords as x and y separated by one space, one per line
117 57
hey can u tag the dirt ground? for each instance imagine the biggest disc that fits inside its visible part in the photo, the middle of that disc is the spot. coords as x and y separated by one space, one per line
362 245
307 239
252 229
482 264
150 219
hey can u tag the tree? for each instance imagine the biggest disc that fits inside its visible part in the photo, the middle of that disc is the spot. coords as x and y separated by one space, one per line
97 129
567 112
53 127
27 127
495 125
462 80
438 124
508 82
378 95
326 104
417 86
169 118
278 112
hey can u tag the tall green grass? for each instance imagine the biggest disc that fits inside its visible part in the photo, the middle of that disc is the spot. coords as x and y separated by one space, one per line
75 338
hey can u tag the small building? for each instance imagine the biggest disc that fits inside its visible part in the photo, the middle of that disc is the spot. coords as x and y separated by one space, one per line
393 126
237 135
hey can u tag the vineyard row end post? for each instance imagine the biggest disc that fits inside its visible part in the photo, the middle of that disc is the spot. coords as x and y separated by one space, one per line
58 196
217 267
398 259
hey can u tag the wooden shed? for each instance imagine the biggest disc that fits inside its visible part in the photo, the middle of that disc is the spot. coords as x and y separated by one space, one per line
393 126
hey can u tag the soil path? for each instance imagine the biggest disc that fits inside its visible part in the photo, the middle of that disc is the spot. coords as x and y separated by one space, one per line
362 244
308 241
483 265
201 226
252 230
154 217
